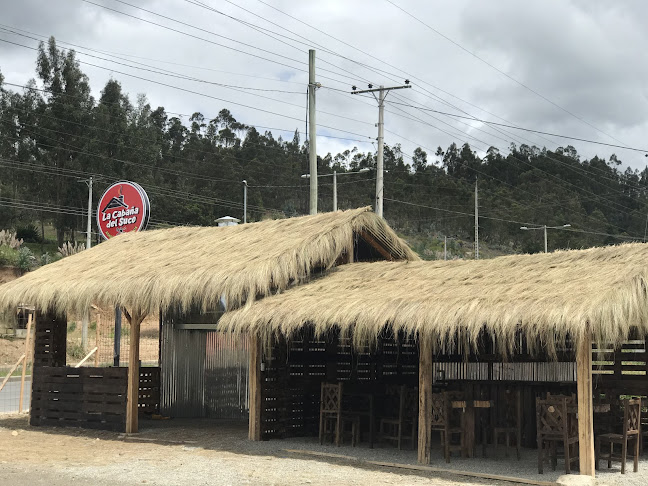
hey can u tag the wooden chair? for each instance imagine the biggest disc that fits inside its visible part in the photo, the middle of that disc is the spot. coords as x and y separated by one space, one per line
631 432
554 426
442 421
508 421
333 418
393 428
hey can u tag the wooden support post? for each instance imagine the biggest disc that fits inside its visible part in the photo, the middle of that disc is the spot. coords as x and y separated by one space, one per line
24 367
425 400
133 373
585 405
255 388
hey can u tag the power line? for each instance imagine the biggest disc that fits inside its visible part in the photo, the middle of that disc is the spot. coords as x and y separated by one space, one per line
520 83
195 92
531 130
507 220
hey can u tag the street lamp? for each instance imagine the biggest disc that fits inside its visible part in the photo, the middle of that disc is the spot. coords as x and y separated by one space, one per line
334 174
544 227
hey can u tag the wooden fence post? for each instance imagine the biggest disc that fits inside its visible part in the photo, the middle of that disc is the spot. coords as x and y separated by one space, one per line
425 400
585 405
255 388
24 368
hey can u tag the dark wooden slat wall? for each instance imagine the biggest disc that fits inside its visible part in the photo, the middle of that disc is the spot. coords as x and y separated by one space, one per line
81 397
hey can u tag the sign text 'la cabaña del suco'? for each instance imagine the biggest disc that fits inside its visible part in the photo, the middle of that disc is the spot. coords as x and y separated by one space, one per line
123 207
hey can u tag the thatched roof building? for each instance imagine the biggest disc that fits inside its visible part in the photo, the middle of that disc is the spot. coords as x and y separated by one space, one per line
195 266
544 295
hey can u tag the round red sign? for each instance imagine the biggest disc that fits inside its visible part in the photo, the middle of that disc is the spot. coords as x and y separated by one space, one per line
123 207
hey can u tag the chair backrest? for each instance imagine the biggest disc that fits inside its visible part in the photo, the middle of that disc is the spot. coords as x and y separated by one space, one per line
552 416
632 416
331 397
408 406
571 399
439 409
509 412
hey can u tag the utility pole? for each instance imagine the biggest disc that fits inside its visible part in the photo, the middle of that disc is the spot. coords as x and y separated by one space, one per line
312 143
335 174
544 228
85 319
445 248
334 190
476 223
382 94
545 236
89 225
244 202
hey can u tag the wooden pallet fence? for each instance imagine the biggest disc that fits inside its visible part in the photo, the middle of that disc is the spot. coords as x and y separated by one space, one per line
80 397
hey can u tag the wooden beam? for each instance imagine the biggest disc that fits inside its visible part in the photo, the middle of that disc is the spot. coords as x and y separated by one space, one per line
255 388
376 246
585 405
425 400
133 373
24 367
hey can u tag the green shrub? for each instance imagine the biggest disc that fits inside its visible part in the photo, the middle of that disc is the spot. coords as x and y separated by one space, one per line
26 259
75 350
29 233
71 326
8 256
93 326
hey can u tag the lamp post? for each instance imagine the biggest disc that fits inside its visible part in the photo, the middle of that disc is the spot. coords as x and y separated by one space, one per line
335 176
544 228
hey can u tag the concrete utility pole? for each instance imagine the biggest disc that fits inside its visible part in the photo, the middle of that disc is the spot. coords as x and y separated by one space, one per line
544 228
312 143
476 223
334 190
89 225
382 94
244 202
335 174
85 319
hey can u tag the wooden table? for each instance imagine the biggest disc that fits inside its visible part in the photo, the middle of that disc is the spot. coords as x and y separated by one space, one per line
468 421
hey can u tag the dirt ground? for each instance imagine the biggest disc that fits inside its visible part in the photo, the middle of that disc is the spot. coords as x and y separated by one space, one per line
158 456
10 351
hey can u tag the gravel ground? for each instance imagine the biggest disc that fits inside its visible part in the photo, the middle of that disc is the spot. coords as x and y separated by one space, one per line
206 452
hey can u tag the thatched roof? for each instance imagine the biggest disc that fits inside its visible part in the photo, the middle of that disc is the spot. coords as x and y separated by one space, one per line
546 295
194 266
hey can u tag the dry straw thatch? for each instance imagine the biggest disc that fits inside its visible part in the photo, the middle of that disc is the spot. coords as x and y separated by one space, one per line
546 296
194 266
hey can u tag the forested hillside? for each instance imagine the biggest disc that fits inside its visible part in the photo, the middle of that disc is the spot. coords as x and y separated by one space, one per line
57 132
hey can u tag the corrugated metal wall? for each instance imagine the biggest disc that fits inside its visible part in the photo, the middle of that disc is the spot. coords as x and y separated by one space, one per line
226 376
203 373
